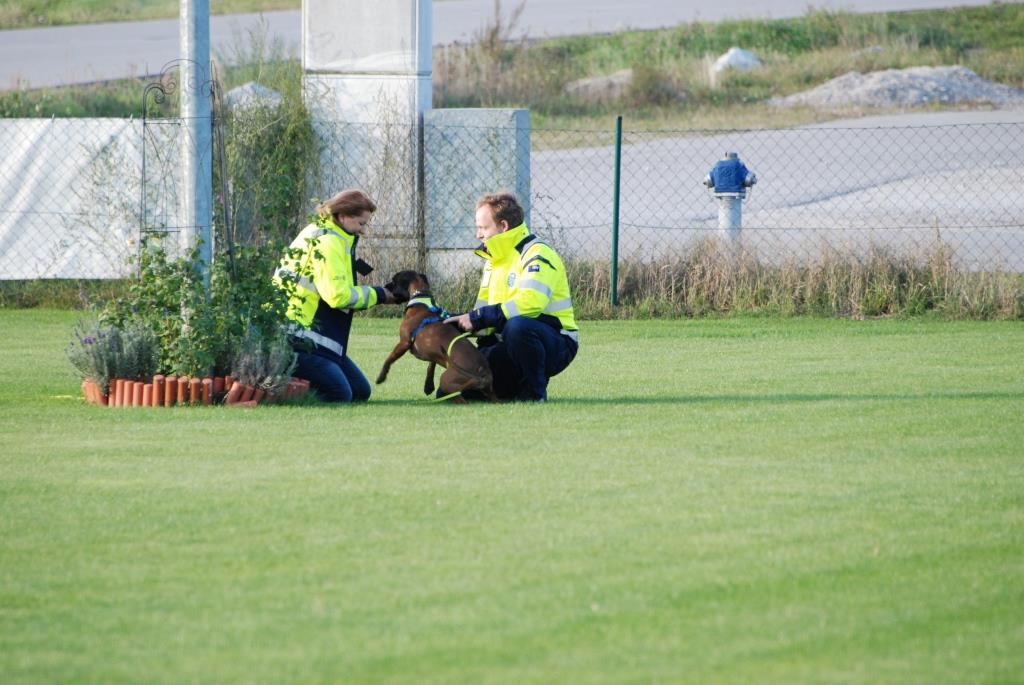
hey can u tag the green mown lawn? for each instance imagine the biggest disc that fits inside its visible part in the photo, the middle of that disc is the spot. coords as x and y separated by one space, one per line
736 500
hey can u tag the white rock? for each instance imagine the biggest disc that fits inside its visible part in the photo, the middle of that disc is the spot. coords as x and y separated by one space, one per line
252 94
736 58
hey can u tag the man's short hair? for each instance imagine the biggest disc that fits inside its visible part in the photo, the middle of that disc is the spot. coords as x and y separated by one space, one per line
504 207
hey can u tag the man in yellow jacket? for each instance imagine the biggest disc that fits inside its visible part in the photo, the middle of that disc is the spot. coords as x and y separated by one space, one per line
524 301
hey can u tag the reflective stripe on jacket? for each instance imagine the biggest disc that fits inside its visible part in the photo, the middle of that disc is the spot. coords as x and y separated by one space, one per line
522 277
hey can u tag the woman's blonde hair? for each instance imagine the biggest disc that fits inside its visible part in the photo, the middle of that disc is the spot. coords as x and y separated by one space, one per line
349 202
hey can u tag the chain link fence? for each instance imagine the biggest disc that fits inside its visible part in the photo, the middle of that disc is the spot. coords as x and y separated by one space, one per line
382 160
73 197
847 189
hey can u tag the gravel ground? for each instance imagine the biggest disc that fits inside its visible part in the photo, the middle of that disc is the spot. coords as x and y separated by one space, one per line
913 87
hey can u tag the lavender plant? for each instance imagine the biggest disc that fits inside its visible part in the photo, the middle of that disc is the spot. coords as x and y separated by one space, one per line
100 352
264 361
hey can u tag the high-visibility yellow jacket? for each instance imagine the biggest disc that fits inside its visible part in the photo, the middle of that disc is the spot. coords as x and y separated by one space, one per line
319 273
522 277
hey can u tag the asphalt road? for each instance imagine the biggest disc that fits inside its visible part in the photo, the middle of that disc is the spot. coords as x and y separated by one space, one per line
44 57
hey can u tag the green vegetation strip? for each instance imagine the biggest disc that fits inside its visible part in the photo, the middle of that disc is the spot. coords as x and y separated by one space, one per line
27 14
716 500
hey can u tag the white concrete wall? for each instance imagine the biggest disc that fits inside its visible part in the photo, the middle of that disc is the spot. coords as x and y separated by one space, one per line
70 195
367 82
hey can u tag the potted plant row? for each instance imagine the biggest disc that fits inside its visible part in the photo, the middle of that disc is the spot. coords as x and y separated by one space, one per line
173 339
168 391
117 365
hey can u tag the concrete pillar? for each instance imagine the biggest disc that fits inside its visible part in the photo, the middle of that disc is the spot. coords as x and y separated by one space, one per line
356 51
367 83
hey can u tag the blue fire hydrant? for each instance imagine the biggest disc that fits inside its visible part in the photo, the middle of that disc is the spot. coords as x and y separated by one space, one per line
730 179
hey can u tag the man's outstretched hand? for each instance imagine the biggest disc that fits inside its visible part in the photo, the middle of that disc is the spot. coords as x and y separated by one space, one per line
462 321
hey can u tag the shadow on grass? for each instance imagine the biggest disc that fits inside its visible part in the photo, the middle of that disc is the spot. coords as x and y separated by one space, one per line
775 398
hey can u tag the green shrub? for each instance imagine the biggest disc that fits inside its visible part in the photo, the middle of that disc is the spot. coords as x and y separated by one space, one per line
267 162
199 334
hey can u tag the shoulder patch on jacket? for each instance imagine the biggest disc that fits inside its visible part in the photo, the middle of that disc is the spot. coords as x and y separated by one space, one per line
536 267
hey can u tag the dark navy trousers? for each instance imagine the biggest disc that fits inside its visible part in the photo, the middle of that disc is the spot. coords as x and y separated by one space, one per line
529 354
333 381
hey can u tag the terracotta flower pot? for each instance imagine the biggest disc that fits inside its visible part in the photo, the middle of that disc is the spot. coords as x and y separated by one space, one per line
247 393
195 391
170 390
118 384
93 393
147 395
301 387
234 393
258 395
218 387
228 382
248 405
182 390
137 393
207 391
158 390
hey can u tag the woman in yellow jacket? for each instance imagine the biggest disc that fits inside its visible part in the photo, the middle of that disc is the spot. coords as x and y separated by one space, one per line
319 273
524 301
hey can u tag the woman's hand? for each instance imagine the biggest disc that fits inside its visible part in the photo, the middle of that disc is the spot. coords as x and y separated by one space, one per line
462 321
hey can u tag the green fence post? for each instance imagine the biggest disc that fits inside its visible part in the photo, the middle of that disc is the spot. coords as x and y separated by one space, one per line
615 212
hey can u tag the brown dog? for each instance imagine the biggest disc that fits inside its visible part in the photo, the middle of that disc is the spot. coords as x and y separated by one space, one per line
423 332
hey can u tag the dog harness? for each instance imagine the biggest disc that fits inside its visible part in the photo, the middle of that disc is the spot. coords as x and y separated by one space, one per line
422 299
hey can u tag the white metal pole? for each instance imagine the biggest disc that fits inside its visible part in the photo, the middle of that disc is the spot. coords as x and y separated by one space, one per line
730 216
196 147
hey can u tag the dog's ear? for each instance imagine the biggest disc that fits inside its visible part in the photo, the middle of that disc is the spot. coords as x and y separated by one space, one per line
426 281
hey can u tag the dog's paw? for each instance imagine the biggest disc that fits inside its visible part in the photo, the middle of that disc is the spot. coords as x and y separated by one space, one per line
381 378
